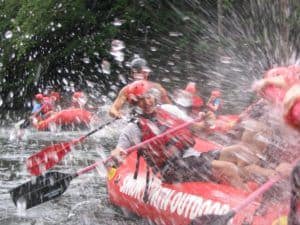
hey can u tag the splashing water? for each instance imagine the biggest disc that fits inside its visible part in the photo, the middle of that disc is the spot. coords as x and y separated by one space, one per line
105 65
8 34
21 207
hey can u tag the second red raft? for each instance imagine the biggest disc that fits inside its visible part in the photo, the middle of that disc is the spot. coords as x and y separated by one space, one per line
72 117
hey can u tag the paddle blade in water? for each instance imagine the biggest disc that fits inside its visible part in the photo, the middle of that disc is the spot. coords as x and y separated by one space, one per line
47 158
213 219
41 189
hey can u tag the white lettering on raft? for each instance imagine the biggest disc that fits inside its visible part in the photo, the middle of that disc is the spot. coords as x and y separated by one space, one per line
183 204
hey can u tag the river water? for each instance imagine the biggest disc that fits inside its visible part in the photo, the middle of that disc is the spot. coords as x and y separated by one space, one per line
85 200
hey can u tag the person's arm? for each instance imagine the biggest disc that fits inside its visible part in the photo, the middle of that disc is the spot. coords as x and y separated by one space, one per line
211 105
130 136
164 95
115 109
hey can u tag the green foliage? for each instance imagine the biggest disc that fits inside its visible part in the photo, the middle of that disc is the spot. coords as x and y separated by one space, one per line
227 4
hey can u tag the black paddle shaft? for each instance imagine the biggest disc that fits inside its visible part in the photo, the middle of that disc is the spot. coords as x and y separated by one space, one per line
43 188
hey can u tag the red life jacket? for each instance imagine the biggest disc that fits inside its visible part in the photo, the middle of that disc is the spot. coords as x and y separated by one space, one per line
158 152
47 105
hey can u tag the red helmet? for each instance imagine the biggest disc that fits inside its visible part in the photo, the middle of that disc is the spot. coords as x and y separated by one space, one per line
77 95
55 95
39 97
216 93
137 89
191 87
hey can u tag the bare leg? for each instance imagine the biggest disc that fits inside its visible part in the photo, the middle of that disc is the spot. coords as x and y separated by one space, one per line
228 172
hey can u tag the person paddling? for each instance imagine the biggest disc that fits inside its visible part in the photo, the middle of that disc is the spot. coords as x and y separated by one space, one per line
43 107
172 158
214 102
139 71
79 100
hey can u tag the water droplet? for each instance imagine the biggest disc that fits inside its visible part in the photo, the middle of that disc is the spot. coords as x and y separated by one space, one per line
175 34
105 67
153 49
101 169
8 34
59 25
225 60
118 55
185 18
117 22
86 60
1 101
65 81
171 63
117 45
21 206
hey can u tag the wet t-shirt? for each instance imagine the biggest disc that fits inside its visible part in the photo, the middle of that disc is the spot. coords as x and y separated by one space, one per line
130 136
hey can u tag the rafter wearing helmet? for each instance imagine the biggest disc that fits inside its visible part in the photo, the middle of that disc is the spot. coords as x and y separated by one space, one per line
139 71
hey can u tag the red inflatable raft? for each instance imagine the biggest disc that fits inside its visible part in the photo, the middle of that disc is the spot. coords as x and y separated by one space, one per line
72 117
180 204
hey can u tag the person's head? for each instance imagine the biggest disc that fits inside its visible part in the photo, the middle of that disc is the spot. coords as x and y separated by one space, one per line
38 97
216 93
55 96
191 88
139 69
144 95
79 99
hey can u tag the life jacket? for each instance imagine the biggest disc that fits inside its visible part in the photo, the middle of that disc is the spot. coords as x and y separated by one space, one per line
168 146
47 105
